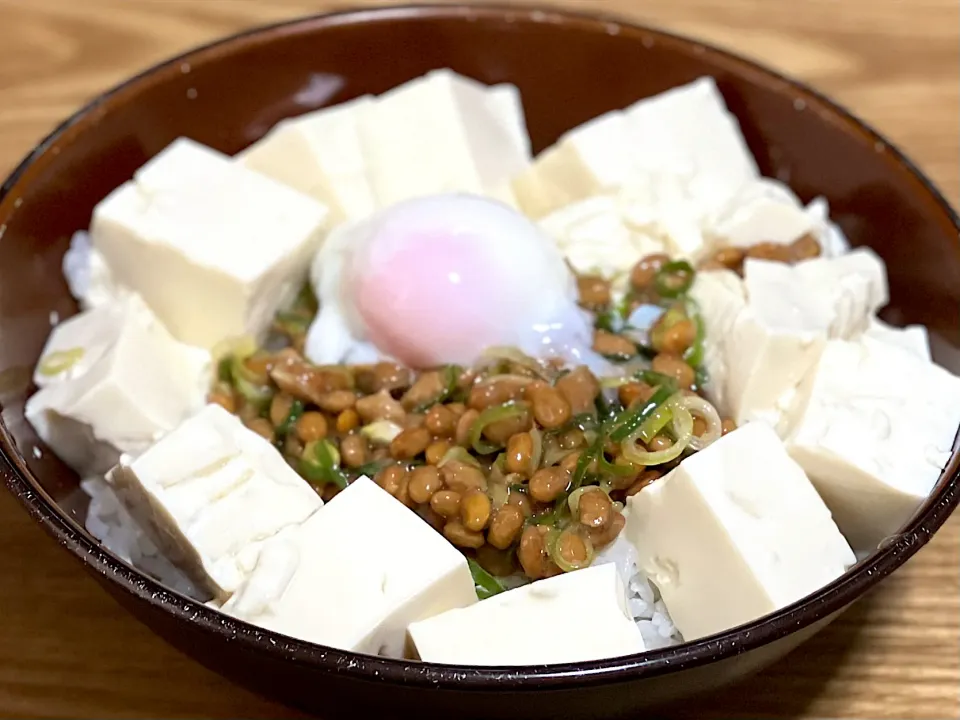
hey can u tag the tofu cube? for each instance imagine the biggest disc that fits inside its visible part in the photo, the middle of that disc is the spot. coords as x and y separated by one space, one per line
595 237
112 380
321 155
876 429
209 494
441 133
496 631
686 133
764 335
213 248
839 295
762 219
355 575
912 338
587 161
735 532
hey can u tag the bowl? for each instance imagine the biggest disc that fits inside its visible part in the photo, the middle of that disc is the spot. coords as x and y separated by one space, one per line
569 67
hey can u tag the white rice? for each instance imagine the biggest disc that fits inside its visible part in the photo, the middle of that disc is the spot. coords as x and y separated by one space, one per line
110 523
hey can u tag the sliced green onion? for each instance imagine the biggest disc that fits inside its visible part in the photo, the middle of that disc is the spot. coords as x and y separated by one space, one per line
656 422
296 410
306 301
693 355
708 413
291 324
630 421
496 355
460 455
674 314
682 430
320 464
612 468
536 455
486 584
553 545
60 361
488 417
702 378
674 279
654 378
253 393
381 432
449 377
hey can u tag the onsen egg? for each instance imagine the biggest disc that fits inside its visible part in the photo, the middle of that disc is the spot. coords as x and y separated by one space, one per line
440 279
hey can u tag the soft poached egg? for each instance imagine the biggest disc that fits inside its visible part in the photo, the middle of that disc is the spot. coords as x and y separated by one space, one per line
441 279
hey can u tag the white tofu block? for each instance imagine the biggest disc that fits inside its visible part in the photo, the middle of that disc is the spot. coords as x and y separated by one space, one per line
212 247
586 161
689 132
686 134
507 104
440 133
319 154
764 335
912 338
112 381
355 575
735 532
875 432
209 493
754 358
496 631
595 237
839 295
833 242
762 219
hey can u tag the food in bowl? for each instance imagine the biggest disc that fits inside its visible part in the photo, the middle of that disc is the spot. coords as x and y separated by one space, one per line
386 357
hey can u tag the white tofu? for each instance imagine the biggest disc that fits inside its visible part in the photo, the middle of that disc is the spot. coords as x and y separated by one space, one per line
833 242
586 161
686 134
735 532
441 133
209 493
762 219
319 154
355 575
505 102
838 294
87 274
912 338
595 237
765 335
195 230
874 433
112 381
688 131
496 631
754 358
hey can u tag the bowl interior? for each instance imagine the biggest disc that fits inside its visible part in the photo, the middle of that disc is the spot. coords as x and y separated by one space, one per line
568 68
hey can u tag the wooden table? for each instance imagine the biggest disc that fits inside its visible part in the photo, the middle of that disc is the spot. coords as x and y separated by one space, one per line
66 650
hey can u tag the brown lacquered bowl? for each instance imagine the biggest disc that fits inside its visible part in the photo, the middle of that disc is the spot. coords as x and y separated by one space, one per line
569 68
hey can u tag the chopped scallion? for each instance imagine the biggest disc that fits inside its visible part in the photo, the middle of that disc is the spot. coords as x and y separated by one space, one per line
320 464
486 584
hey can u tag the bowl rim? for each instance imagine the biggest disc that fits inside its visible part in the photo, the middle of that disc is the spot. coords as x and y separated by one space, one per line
818 606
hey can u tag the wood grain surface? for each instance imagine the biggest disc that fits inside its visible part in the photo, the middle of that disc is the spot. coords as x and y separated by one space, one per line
66 650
